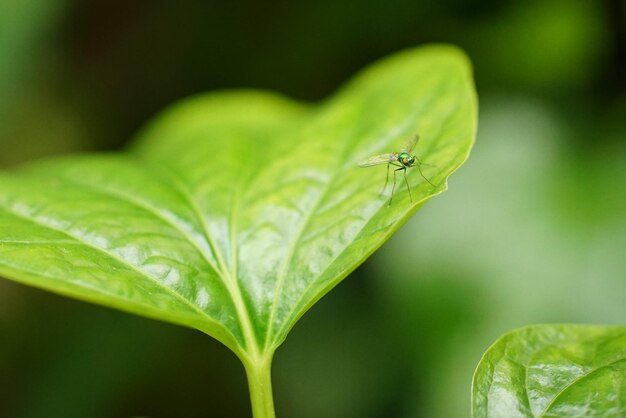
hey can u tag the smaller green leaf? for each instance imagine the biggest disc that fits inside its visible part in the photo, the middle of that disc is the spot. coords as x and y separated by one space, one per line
553 371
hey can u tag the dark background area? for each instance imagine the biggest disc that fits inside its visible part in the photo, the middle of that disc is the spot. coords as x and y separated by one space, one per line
532 229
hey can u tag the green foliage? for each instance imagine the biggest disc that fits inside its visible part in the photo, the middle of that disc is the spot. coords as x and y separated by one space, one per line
553 371
235 212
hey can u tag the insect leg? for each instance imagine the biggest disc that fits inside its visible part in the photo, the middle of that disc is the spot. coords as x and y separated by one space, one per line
419 168
407 185
394 181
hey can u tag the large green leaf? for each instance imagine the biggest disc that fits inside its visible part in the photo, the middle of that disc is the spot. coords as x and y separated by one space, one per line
234 212
553 371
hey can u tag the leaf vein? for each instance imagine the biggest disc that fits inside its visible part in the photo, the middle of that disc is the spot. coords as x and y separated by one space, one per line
139 203
575 381
122 261
229 282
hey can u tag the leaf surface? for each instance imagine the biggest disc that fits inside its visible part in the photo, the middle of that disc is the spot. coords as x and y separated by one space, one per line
553 371
234 212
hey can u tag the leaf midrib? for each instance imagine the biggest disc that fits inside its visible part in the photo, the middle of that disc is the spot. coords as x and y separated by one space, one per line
575 381
230 282
282 277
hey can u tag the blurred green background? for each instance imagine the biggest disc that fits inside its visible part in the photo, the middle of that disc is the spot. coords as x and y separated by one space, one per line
532 230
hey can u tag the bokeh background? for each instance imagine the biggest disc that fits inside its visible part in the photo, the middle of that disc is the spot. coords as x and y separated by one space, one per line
532 230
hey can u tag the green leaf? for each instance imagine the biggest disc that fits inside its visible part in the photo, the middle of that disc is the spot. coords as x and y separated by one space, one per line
553 371
235 212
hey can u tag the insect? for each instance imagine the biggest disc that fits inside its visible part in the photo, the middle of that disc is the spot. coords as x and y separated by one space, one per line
402 160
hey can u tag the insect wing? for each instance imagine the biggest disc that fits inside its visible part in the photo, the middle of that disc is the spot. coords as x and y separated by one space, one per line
409 145
378 160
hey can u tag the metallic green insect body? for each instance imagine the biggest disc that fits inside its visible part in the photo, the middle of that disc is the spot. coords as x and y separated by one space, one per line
402 160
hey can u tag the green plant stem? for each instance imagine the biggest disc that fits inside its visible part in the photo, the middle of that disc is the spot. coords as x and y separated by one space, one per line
260 384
